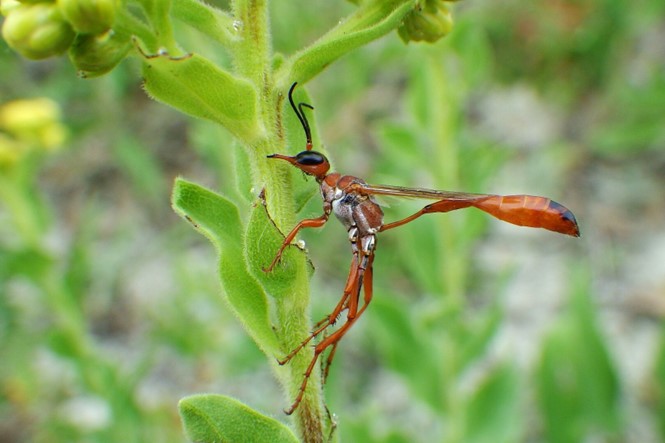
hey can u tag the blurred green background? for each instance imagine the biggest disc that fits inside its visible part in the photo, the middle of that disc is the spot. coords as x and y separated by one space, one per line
110 309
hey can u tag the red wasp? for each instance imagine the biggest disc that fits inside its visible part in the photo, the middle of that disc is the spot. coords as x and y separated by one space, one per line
352 202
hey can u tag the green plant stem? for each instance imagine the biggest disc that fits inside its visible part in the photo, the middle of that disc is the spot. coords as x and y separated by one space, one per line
158 12
212 22
252 59
371 13
366 24
17 199
67 315
292 307
446 162
252 52
97 373
127 23
453 275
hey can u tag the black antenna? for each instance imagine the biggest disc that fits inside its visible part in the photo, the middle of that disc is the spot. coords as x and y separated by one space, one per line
301 116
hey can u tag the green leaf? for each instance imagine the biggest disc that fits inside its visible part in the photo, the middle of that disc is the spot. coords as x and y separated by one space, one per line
368 23
473 46
196 86
407 350
27 262
479 334
142 169
598 378
217 218
206 19
577 384
263 240
214 418
493 415
287 283
558 391
66 344
657 386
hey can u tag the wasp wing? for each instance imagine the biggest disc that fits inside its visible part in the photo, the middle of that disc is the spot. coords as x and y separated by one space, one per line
431 194
521 210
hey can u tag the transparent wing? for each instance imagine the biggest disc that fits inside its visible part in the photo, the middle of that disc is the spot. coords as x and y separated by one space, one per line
431 194
521 210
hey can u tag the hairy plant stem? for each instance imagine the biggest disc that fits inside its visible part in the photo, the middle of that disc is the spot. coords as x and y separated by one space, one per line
252 54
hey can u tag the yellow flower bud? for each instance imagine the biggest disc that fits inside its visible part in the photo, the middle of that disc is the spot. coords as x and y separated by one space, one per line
35 1
52 137
35 121
8 5
89 16
429 22
10 151
37 30
95 55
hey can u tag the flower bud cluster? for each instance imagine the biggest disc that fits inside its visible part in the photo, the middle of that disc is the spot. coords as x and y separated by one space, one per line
29 125
39 29
429 21
36 30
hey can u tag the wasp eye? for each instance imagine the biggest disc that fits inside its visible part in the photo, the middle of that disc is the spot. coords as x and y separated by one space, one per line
310 158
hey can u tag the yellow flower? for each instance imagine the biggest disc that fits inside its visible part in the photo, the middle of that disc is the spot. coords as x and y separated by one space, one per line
10 151
430 21
8 5
35 122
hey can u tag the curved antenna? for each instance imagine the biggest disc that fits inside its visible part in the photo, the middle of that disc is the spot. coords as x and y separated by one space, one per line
301 116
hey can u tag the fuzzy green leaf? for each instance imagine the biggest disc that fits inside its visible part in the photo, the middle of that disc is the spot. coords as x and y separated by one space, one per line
213 418
206 19
196 86
369 22
217 218
263 240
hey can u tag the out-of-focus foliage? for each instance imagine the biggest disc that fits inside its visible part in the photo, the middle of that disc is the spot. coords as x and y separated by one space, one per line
602 58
